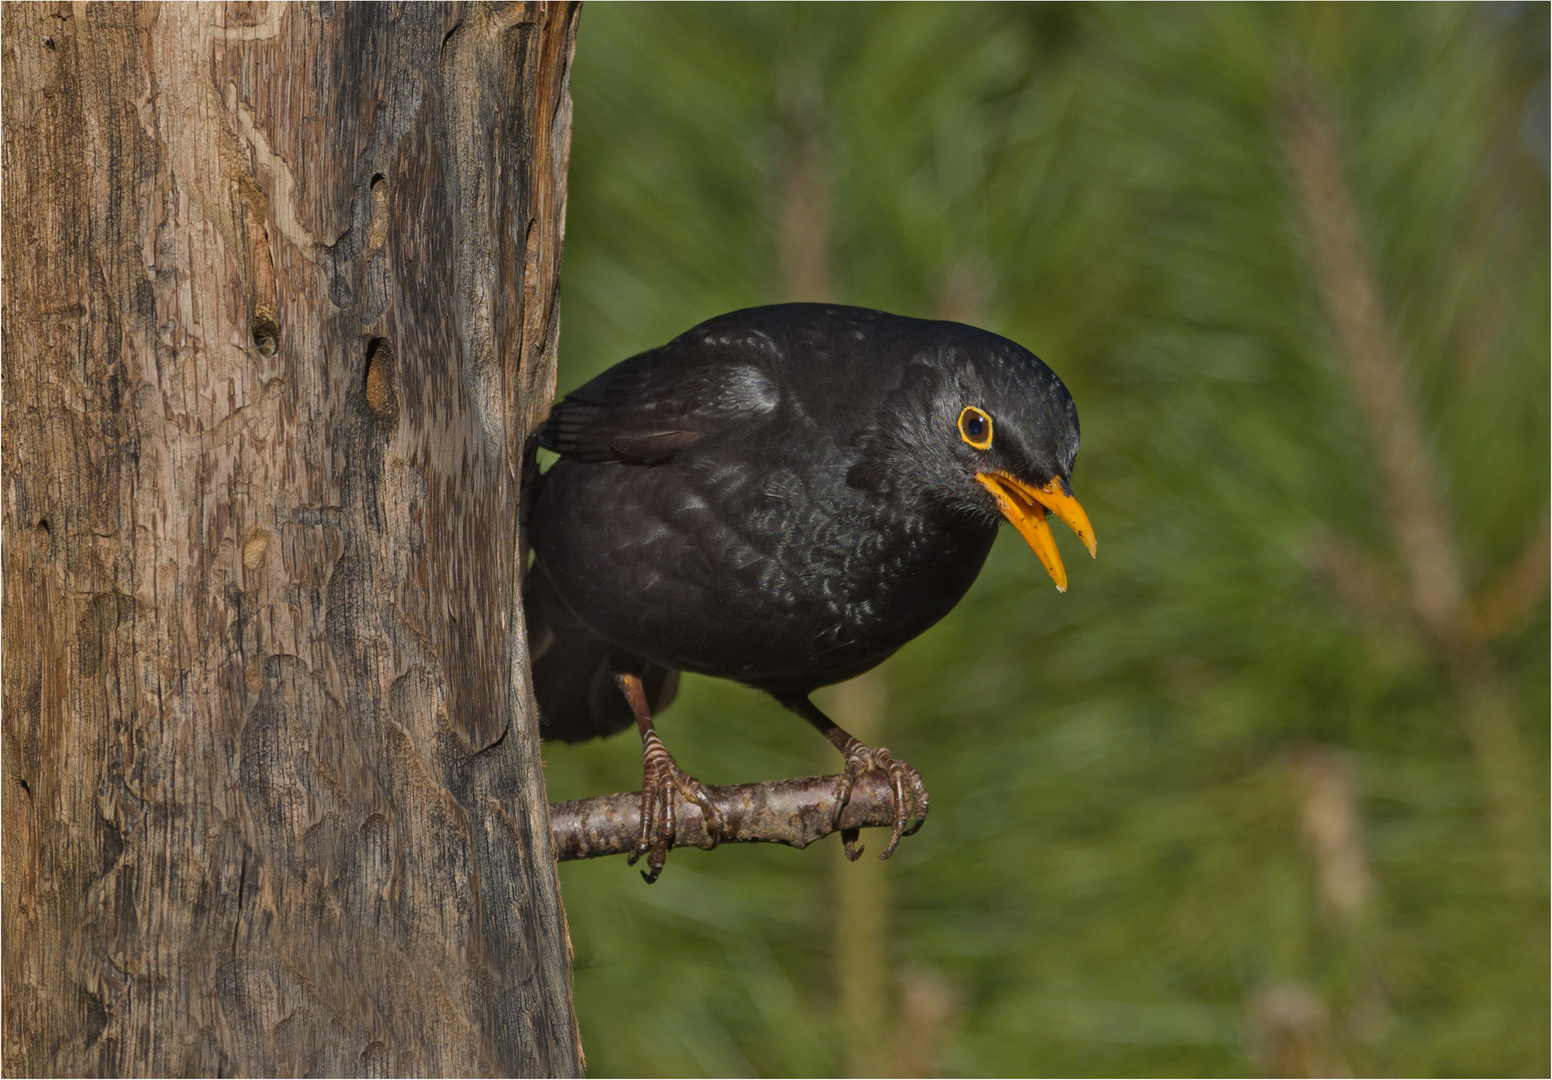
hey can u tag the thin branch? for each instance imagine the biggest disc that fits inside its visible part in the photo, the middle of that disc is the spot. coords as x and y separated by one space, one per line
791 812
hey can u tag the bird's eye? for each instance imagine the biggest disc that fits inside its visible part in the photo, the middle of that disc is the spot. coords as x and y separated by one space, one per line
975 427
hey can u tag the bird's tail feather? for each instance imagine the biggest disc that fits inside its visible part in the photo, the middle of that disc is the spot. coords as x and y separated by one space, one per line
574 670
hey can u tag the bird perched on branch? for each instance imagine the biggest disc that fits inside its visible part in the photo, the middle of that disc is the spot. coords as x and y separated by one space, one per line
782 496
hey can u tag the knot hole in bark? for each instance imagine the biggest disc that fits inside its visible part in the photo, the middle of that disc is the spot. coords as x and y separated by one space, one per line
381 396
266 333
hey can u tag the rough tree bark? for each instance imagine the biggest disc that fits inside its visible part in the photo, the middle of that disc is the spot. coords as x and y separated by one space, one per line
279 311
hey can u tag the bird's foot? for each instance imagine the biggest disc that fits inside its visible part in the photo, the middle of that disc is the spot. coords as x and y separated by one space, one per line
661 781
911 798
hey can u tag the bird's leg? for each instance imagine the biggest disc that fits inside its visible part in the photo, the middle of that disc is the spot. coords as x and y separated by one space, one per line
661 777
859 759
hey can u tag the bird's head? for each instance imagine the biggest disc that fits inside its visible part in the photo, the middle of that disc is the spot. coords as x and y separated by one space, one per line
1001 433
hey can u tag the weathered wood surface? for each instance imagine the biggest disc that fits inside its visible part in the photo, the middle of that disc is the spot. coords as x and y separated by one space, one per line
279 310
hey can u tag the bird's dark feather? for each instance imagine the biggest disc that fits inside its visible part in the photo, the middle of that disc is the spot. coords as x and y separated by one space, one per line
656 404
778 496
574 670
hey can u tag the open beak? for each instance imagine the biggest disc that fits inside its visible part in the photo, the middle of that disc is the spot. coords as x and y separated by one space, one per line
1025 506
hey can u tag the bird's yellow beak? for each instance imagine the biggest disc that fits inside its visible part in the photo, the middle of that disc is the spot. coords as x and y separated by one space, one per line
1025 506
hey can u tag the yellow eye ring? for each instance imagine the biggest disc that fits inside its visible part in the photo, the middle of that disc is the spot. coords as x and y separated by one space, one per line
975 427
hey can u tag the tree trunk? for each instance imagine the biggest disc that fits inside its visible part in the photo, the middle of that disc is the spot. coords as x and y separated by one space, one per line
279 312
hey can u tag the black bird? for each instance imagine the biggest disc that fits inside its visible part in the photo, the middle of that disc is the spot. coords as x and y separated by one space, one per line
782 496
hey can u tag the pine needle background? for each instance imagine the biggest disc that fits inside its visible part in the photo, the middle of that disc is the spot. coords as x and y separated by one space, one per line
1266 790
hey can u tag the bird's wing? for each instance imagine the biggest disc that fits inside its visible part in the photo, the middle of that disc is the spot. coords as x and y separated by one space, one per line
652 406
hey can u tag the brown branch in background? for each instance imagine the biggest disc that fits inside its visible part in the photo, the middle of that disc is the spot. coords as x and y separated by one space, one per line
791 812
803 214
1517 590
1290 1023
1331 825
1290 1030
1377 374
1418 519
931 1009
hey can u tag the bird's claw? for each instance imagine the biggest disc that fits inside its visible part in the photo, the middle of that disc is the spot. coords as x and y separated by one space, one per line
910 812
661 780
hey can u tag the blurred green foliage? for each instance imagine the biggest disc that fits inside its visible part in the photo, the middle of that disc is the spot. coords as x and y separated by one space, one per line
1223 807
